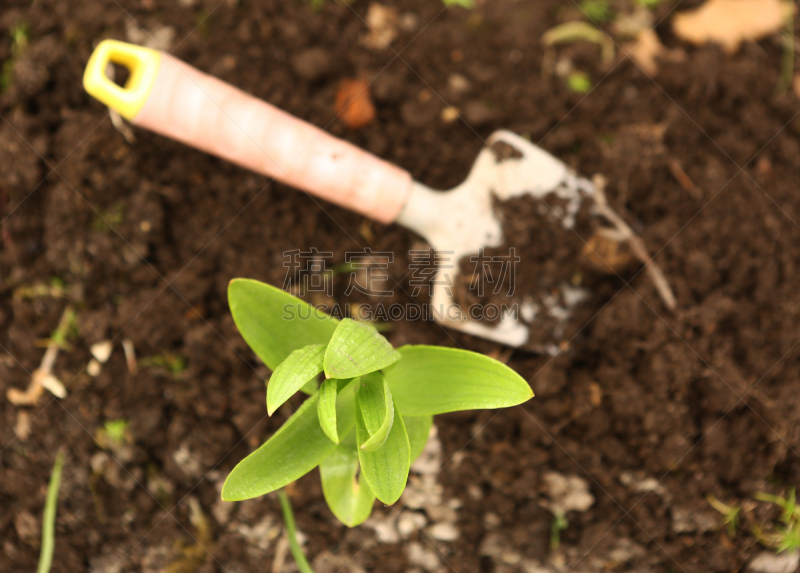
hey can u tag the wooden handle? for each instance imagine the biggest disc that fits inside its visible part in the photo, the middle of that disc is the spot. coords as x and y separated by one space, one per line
206 113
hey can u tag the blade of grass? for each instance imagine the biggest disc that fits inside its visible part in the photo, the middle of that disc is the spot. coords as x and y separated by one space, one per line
49 520
291 533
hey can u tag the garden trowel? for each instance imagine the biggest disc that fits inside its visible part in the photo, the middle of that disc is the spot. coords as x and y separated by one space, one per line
170 97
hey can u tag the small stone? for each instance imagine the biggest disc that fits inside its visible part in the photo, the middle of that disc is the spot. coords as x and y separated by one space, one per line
409 522
102 350
768 562
475 492
27 527
568 493
441 513
385 528
23 426
221 510
444 532
450 114
382 22
93 368
477 113
491 520
311 64
408 22
421 556
458 84
354 103
625 551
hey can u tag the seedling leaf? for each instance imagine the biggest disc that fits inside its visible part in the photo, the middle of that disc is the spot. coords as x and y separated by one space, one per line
293 451
294 373
49 519
356 349
374 400
418 429
349 497
385 469
326 408
273 322
431 380
291 533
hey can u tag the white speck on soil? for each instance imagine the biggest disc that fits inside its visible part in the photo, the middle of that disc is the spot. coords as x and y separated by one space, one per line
768 562
422 556
567 493
102 350
444 532
409 522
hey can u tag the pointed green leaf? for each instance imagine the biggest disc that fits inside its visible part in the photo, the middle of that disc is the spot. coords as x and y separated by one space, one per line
356 349
374 400
273 322
433 380
326 408
293 451
418 429
385 469
293 373
349 497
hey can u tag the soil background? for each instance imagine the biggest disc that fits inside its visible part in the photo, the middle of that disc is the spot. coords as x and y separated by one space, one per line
655 410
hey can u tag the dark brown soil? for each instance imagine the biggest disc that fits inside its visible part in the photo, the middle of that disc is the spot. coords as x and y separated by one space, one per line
703 400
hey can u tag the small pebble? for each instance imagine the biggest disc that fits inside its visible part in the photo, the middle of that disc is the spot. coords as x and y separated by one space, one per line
102 350
311 64
477 113
768 562
449 114
93 368
444 532
458 84
491 520
409 522
421 556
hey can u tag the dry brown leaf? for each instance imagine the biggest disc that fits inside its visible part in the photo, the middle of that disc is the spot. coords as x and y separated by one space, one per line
353 103
730 22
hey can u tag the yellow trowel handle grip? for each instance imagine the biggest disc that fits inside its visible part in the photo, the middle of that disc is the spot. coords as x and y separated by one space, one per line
170 97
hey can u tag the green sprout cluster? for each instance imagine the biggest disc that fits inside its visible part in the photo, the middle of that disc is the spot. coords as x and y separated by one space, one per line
370 416
785 536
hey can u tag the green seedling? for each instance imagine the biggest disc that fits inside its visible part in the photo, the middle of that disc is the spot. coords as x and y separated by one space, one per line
468 4
730 514
114 217
571 32
781 537
49 519
649 4
371 416
596 10
559 524
56 289
19 43
67 328
175 364
113 435
291 533
579 82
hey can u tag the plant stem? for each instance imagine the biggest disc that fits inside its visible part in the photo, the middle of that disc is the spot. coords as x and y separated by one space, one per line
291 533
49 519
